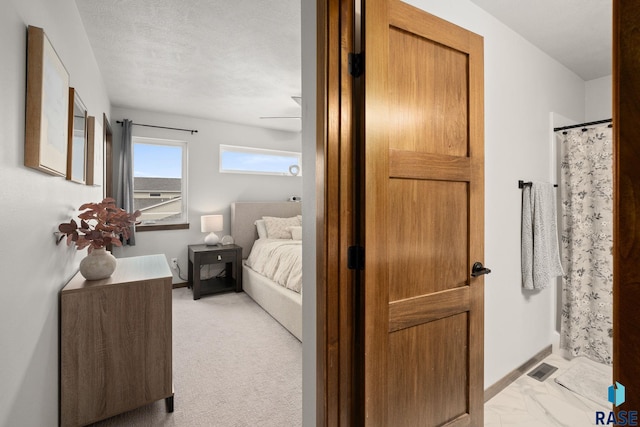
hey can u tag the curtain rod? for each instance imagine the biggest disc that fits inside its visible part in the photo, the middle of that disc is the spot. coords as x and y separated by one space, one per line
581 125
161 127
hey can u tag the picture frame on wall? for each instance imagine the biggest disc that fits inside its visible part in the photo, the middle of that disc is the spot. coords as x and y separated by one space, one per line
98 153
94 152
46 124
107 160
77 144
91 148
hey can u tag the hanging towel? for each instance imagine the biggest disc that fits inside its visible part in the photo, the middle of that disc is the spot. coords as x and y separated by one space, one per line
540 253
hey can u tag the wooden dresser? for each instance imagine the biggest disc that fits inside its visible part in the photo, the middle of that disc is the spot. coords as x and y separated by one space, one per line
115 341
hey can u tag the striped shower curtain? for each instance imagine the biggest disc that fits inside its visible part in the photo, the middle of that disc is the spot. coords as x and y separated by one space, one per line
587 240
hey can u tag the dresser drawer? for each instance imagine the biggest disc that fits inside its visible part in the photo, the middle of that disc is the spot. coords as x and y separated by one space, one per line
217 257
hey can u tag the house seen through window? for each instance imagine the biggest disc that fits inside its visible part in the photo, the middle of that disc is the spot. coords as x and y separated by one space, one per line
159 180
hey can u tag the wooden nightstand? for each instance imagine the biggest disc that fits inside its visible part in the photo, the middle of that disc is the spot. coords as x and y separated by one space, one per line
230 255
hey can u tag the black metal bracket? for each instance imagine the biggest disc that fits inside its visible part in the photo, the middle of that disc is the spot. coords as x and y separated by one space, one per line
355 258
522 184
356 64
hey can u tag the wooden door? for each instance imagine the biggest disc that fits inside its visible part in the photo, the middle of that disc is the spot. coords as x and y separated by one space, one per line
423 219
626 199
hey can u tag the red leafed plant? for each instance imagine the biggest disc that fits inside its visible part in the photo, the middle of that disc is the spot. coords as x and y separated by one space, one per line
101 224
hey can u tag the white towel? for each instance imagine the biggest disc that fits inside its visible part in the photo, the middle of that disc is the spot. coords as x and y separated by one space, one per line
540 253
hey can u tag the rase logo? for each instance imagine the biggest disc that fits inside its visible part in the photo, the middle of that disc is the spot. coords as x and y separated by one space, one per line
624 418
616 395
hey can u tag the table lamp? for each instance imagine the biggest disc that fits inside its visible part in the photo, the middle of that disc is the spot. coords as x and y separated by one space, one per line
210 224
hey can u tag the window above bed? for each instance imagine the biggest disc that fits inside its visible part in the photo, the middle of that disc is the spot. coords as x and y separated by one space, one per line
250 160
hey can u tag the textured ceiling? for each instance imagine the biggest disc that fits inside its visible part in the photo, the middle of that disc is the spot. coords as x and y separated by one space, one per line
239 60
577 33
233 61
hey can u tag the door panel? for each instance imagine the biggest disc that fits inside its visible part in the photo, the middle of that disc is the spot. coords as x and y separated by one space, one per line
416 265
423 219
428 95
416 383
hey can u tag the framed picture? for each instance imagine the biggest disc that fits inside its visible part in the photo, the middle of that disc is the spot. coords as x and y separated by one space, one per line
91 150
47 106
107 162
95 144
77 146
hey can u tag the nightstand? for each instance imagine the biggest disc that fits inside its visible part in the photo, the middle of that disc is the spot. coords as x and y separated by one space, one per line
229 255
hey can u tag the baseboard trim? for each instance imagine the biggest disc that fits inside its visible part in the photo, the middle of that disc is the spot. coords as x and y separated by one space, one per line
501 384
180 285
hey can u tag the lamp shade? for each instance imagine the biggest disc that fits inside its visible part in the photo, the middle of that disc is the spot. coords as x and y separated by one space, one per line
209 223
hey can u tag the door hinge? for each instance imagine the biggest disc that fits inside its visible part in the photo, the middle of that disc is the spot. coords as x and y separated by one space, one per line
355 258
356 64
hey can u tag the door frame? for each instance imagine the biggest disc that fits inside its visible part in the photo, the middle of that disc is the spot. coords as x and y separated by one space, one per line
626 199
335 328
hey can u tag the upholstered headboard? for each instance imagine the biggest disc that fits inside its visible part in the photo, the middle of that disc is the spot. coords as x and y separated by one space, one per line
244 215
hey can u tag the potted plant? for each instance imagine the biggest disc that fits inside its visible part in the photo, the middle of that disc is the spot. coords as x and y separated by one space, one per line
101 224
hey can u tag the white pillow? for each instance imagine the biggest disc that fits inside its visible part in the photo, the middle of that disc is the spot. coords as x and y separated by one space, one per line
262 228
296 232
277 228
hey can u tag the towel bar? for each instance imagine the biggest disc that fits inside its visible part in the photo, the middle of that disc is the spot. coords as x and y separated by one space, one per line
522 184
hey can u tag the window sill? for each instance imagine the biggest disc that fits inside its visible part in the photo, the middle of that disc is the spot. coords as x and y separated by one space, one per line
159 227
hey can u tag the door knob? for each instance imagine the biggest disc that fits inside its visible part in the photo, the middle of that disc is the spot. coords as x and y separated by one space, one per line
478 270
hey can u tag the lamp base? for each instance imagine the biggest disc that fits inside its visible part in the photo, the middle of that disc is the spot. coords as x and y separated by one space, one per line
211 239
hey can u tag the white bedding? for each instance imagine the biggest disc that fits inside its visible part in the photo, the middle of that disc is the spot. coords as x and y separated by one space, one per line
280 260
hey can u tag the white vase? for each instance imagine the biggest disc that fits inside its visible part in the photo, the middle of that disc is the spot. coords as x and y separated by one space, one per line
99 264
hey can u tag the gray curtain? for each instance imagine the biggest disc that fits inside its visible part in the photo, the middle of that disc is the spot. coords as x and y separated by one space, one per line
124 187
587 242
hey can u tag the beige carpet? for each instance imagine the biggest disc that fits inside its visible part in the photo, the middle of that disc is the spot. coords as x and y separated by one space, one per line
233 365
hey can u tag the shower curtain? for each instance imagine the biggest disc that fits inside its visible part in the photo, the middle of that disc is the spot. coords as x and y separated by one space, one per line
586 187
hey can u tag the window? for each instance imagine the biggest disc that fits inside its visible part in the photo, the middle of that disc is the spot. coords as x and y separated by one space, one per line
160 181
234 159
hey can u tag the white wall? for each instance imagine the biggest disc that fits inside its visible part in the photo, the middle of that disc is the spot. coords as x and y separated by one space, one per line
598 99
309 209
33 268
209 192
522 86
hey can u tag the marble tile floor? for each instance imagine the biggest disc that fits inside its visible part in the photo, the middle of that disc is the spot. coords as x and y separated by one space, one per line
530 403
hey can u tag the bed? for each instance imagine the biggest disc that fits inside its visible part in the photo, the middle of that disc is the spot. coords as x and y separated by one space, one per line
281 303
